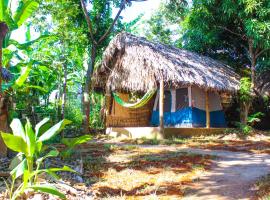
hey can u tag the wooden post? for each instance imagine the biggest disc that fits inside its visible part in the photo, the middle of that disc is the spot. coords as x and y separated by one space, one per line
207 110
161 106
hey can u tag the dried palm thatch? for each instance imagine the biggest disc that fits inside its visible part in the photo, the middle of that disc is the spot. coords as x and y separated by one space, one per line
263 83
132 63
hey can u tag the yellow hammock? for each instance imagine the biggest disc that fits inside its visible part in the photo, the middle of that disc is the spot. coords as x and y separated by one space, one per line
138 104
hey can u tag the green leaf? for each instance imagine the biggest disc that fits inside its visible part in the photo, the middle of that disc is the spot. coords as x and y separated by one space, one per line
16 161
72 142
24 11
36 87
26 177
28 33
65 168
25 46
30 138
24 74
19 170
49 189
40 124
17 128
52 153
54 130
52 171
39 146
15 143
3 9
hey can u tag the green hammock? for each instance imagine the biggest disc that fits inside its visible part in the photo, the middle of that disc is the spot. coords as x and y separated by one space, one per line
138 104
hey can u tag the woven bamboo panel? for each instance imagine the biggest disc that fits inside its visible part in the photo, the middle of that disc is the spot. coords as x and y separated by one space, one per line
120 116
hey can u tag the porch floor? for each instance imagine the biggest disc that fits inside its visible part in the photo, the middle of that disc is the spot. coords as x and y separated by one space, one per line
154 132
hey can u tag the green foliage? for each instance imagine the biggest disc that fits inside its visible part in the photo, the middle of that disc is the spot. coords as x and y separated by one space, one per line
164 24
252 119
96 112
71 144
15 19
246 129
245 91
29 144
73 111
227 30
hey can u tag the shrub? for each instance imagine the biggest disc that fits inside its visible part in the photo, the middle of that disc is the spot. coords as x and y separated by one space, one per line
29 144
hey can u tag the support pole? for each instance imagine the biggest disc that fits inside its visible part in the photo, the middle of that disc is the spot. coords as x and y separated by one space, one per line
161 106
207 110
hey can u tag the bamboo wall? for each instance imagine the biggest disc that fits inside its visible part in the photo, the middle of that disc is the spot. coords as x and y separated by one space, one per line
119 116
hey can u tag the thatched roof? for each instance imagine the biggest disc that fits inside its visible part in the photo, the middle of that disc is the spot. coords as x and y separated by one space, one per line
133 63
262 83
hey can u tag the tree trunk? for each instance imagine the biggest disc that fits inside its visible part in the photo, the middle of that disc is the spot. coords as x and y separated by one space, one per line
58 100
245 106
86 98
253 60
3 102
244 110
64 96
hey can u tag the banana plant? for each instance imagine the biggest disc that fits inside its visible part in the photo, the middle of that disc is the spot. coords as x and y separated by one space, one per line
10 21
29 143
71 144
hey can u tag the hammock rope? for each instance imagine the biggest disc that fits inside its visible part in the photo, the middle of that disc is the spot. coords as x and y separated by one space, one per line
144 100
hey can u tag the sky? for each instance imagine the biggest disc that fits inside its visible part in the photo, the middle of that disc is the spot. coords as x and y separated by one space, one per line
146 7
130 13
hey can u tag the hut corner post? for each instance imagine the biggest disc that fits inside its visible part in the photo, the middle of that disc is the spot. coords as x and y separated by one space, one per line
161 107
207 109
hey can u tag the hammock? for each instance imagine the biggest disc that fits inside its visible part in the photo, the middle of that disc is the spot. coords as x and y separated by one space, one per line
138 104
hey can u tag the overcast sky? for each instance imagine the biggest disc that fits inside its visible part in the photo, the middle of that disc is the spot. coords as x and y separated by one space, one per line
128 14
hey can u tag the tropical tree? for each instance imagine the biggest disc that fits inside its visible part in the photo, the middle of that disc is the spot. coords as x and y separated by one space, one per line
67 56
10 21
242 33
101 26
165 23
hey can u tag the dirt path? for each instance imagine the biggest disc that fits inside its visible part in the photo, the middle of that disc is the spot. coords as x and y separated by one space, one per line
232 176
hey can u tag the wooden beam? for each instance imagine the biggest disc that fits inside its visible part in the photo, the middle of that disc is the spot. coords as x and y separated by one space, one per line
161 106
207 110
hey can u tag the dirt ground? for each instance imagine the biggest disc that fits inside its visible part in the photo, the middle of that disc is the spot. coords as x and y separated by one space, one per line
213 167
129 172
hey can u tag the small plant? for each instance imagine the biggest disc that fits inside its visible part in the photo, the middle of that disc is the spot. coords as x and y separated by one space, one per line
71 144
243 128
252 119
245 97
246 129
29 144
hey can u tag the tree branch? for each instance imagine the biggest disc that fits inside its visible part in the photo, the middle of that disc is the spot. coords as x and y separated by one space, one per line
234 33
88 20
122 6
261 52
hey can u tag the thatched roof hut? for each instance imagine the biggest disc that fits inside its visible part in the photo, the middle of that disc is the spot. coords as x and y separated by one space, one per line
132 63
